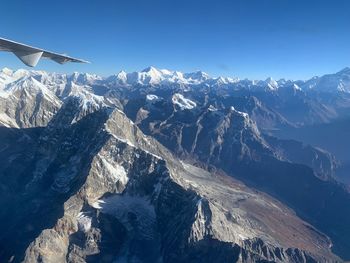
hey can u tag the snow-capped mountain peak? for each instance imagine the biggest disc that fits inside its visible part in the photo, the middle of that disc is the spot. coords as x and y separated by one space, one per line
86 98
271 83
122 75
344 71
199 76
150 70
152 76
31 86
155 76
6 71
338 82
84 78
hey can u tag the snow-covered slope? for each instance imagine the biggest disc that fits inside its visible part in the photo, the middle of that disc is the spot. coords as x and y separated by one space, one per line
180 101
100 189
339 81
276 103
154 76
31 98
27 103
89 185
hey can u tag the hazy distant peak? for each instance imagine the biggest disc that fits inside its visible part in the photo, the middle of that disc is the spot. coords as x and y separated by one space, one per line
336 82
345 70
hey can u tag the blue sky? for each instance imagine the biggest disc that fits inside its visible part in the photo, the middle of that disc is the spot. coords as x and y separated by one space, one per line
246 38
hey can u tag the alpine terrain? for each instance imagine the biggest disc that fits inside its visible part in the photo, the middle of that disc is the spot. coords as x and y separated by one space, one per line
165 166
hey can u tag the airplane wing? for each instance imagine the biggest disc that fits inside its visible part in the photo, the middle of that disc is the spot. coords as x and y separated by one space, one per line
31 55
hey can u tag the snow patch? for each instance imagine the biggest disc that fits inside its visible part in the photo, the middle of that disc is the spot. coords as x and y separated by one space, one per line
212 108
84 222
179 100
121 139
116 171
244 114
152 97
242 237
122 206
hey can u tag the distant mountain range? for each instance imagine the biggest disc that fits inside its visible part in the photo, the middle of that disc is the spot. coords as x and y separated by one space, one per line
164 166
337 82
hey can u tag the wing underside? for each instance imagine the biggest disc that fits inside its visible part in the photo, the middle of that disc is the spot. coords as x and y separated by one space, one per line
31 55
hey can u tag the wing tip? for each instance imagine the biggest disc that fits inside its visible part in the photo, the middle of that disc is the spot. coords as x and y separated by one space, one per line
29 55
85 61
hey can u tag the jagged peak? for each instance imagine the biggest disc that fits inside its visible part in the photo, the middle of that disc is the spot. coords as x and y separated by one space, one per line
345 70
31 86
7 71
121 73
271 83
81 77
150 69
197 75
296 87
88 101
154 76
25 82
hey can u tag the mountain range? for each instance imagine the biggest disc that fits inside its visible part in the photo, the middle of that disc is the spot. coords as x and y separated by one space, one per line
165 166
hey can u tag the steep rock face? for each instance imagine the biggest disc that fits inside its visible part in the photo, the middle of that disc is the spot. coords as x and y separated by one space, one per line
97 189
223 138
49 171
108 193
322 162
333 137
230 141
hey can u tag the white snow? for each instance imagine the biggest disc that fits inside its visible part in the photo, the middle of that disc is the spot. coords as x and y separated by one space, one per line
121 206
154 76
271 83
84 222
338 82
179 100
242 237
121 139
7 121
4 94
212 108
198 76
296 87
122 76
154 155
116 171
87 99
33 87
152 97
98 204
84 78
244 114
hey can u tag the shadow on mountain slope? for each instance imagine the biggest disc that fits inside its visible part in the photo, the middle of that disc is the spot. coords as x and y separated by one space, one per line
33 191
324 204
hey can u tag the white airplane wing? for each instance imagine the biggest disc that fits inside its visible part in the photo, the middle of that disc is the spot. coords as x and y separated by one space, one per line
31 55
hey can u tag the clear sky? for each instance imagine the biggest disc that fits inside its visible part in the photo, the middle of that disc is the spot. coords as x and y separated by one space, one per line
246 38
